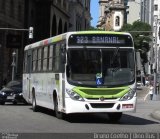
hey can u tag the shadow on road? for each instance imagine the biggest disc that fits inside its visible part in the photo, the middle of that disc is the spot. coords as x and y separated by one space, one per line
132 120
18 104
103 118
100 118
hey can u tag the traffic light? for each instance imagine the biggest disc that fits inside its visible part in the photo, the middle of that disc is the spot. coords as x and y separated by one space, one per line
30 32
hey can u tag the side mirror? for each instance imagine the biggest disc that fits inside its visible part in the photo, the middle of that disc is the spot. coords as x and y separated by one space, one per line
63 57
63 53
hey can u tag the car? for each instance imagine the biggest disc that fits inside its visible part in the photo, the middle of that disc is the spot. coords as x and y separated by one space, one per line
12 92
139 85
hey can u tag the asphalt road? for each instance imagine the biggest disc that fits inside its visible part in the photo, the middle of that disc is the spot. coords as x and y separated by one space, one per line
21 119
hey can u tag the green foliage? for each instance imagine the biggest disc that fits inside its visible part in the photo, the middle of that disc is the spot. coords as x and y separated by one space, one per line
93 28
141 33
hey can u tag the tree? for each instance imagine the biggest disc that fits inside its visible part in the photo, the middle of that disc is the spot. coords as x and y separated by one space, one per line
94 28
141 33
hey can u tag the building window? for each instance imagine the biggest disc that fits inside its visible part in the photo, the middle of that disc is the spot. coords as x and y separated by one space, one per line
19 12
117 23
59 2
155 7
3 6
11 8
64 4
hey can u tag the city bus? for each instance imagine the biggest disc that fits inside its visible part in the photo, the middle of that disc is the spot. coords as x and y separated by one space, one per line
81 72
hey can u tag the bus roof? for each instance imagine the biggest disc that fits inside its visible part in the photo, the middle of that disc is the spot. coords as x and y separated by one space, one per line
63 37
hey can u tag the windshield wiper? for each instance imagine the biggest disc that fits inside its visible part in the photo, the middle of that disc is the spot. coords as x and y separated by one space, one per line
115 63
115 55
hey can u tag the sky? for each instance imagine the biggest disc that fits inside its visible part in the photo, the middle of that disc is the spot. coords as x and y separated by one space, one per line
94 12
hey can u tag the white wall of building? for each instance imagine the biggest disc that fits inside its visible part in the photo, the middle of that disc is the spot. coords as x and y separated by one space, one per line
133 11
156 27
120 15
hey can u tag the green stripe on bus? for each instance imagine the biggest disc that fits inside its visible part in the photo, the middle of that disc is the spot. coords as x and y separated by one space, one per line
99 92
100 32
56 39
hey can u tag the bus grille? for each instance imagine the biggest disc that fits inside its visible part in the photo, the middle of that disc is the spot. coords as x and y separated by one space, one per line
102 105
105 93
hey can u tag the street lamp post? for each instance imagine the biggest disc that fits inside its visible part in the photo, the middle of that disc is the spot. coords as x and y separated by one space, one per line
13 65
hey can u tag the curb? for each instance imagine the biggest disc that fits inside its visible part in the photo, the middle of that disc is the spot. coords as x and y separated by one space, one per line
156 114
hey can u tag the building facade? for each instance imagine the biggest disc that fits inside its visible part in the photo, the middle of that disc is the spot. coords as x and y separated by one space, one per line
80 17
156 35
11 16
147 9
132 14
52 20
114 14
57 16
47 17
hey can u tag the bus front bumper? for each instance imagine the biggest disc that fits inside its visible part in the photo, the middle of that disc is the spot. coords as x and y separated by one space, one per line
73 106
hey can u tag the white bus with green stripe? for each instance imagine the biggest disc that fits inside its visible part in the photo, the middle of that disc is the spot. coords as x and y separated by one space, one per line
82 72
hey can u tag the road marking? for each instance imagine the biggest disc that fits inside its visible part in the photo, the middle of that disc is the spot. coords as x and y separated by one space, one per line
145 97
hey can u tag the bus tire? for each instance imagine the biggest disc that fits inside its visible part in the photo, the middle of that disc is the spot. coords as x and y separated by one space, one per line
115 116
58 114
34 104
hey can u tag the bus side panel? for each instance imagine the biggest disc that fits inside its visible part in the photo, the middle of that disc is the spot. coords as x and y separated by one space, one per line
26 88
45 84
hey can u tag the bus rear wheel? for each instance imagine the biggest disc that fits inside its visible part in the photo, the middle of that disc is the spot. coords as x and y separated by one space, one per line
115 116
34 104
58 114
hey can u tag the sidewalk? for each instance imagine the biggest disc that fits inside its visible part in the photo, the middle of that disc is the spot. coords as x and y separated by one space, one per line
156 114
143 95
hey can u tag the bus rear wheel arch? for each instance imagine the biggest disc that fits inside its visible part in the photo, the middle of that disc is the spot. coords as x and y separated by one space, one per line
58 114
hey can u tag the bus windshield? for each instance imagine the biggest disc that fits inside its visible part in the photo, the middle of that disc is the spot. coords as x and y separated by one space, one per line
116 66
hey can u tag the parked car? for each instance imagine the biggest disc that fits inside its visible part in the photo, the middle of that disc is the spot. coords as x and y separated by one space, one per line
12 92
139 85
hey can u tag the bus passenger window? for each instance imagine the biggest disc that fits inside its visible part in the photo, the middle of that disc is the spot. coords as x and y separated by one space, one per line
56 58
39 59
50 57
45 56
34 60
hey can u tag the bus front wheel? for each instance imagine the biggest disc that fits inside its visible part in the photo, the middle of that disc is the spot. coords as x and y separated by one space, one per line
58 114
115 116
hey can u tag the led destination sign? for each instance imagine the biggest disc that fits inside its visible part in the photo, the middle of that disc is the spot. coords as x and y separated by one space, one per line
97 39
100 39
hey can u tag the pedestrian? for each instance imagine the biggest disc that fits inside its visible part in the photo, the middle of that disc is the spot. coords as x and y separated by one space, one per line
151 91
144 81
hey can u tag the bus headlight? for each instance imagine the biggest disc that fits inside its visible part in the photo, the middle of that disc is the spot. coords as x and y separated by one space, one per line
129 95
74 95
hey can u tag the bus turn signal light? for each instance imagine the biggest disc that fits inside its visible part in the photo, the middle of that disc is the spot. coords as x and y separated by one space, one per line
124 106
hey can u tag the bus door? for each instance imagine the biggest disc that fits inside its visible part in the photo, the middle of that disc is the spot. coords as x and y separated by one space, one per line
29 63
